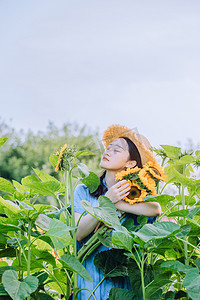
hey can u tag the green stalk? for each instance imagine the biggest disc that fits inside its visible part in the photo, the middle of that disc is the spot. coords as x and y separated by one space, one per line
20 257
75 275
67 201
142 279
184 220
29 251
96 287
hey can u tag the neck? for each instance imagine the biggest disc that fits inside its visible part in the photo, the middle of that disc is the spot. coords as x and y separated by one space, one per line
110 178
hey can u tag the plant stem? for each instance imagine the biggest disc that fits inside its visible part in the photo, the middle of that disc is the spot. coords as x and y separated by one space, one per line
75 275
29 251
142 278
184 220
96 287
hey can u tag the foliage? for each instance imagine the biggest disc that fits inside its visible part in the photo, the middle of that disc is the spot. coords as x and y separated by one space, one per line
39 242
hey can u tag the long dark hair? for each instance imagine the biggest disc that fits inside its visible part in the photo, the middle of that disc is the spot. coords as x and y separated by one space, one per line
133 155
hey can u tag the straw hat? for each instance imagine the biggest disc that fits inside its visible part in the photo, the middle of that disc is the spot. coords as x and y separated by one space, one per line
116 131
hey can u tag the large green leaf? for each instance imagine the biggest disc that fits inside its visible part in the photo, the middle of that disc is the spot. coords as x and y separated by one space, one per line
2 141
123 240
119 294
157 230
192 284
171 151
18 290
185 181
111 262
184 160
162 199
106 212
159 281
59 234
41 188
73 264
179 213
92 181
175 265
6 186
45 177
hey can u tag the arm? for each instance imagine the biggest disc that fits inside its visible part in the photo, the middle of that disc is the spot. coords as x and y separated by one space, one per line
148 209
86 225
87 222
121 189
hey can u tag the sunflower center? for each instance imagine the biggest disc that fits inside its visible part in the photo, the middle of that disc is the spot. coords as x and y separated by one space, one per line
134 193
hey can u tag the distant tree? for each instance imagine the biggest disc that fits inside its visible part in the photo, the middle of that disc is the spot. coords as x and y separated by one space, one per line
25 151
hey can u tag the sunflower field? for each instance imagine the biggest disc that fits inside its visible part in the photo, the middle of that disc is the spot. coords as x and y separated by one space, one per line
38 255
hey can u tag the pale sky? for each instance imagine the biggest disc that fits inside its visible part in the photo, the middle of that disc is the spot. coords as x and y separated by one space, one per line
134 63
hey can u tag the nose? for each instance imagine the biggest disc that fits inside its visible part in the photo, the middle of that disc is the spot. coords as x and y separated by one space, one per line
107 152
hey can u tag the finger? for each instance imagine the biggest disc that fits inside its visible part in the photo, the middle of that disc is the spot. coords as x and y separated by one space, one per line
124 195
119 183
124 186
125 190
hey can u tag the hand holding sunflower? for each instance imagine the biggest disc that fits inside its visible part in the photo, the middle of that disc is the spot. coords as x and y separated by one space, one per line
143 181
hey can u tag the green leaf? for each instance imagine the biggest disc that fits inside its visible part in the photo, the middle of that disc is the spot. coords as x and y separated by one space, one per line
41 188
159 281
187 182
179 213
53 160
5 268
92 182
106 212
119 294
193 212
72 264
171 151
2 141
45 177
111 262
3 291
18 290
162 199
9 206
123 240
197 263
176 265
157 230
192 284
184 160
83 170
6 186
83 153
59 234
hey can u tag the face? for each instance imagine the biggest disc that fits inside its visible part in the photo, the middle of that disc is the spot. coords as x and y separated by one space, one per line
115 156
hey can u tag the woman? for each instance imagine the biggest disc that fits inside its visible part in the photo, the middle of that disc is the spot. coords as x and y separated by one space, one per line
123 149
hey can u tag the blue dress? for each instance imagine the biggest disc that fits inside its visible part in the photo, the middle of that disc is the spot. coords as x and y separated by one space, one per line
102 292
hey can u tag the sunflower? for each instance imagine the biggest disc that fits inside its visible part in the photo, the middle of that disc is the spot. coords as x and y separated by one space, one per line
155 171
127 174
143 181
147 180
136 194
60 157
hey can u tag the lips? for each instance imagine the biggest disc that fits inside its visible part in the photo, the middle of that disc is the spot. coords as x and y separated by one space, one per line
105 158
